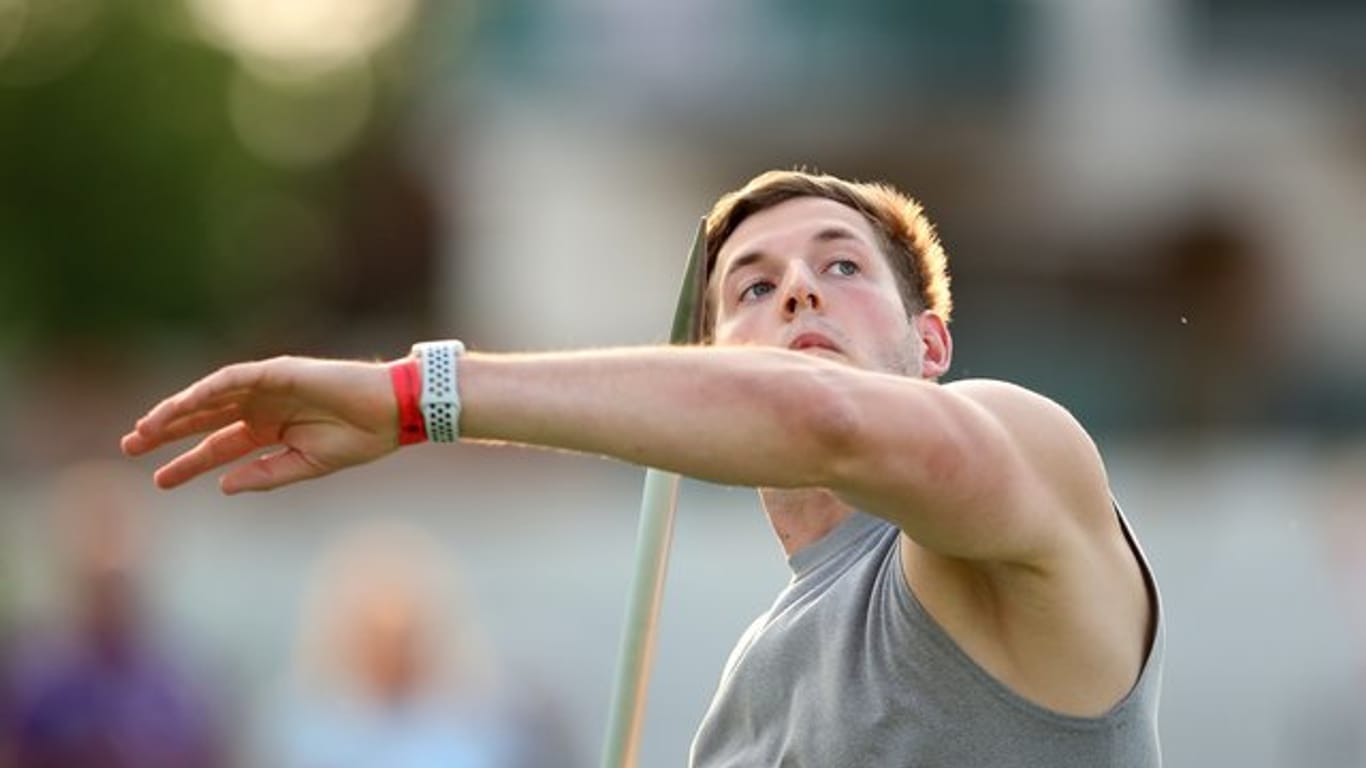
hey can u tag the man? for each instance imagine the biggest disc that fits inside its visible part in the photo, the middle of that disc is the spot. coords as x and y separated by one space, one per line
965 591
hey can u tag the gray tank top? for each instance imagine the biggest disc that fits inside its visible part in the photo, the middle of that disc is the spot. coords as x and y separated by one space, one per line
847 669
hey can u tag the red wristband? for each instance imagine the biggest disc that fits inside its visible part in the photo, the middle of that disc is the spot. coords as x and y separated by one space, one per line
407 380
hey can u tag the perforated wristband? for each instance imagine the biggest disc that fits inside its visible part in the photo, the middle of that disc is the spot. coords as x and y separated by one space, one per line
440 401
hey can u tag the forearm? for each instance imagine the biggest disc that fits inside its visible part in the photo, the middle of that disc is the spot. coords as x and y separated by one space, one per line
743 416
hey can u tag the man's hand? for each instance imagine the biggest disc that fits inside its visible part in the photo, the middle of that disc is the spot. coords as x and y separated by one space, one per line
324 415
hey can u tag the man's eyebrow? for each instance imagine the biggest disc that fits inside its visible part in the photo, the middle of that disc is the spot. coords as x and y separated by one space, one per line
836 233
827 235
742 261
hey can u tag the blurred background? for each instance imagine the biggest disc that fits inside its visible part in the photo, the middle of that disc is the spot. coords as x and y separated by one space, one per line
1155 214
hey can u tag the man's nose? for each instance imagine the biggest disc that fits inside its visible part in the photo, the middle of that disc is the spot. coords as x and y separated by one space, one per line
800 291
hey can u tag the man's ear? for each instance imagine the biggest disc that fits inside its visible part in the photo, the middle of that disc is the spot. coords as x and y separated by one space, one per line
934 335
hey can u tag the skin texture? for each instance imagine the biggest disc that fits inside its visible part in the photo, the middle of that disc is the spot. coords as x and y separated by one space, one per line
822 392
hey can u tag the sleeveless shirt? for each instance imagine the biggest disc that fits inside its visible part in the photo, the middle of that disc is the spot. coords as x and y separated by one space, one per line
848 669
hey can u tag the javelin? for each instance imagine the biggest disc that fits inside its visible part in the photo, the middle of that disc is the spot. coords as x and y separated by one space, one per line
658 503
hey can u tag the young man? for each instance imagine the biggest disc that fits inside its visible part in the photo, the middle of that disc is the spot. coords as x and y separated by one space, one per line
965 591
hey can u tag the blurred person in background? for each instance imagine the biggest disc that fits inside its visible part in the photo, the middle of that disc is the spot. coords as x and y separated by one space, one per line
391 670
965 591
1344 539
104 689
7 757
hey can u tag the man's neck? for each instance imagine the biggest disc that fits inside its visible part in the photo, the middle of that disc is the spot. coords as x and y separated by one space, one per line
804 516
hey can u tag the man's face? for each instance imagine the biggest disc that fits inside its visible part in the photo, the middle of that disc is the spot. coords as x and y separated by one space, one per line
808 275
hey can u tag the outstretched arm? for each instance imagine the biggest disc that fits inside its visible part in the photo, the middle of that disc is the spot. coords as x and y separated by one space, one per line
976 469
750 416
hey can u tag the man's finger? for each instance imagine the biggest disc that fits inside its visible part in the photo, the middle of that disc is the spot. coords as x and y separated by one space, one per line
222 384
268 472
227 444
136 443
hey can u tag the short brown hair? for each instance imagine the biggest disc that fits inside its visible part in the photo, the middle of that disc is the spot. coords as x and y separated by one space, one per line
905 234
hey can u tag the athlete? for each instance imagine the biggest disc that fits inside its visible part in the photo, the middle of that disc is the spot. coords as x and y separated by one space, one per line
965 590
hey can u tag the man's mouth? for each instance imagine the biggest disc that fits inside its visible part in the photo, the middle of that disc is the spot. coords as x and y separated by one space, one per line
810 340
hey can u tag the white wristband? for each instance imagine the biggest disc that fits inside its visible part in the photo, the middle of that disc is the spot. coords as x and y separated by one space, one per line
440 402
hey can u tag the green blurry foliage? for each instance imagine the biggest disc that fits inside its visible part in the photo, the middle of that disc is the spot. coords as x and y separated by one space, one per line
120 184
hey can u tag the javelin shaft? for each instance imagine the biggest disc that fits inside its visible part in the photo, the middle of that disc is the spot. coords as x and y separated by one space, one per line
658 505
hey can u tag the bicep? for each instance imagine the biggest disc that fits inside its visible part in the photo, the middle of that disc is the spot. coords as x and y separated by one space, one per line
981 470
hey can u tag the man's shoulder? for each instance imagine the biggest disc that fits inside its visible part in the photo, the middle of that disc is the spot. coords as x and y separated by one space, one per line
1066 472
1009 402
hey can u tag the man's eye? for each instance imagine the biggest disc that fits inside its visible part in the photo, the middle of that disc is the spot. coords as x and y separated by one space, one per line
756 290
844 267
